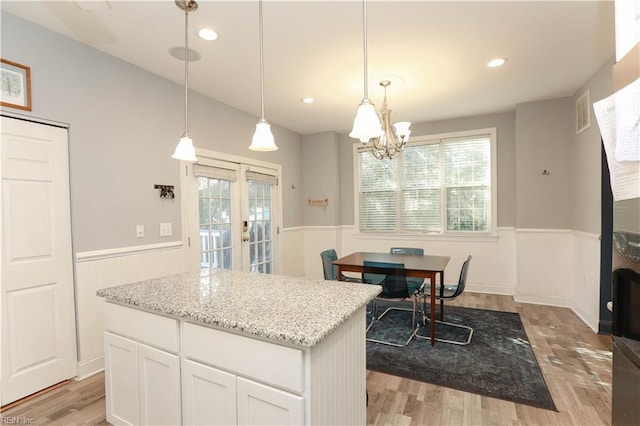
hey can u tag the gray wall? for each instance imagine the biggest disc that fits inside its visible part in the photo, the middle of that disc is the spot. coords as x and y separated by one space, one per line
505 125
586 155
543 140
124 124
321 178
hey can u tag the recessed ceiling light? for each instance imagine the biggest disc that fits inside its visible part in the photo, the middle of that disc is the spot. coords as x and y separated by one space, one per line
307 100
494 63
178 53
207 34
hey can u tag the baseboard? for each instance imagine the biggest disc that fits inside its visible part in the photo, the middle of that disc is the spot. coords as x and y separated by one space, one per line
489 289
89 368
605 327
542 300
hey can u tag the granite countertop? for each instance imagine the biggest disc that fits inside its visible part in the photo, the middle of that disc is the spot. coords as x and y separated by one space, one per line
293 310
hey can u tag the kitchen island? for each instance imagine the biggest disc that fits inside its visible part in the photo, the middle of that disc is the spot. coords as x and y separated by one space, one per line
229 347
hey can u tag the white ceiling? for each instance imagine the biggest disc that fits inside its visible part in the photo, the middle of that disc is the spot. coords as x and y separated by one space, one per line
435 53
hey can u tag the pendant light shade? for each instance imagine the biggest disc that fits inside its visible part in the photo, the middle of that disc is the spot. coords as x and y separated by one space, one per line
263 138
185 151
366 125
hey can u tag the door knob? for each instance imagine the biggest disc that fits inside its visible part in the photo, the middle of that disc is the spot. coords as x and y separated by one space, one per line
245 238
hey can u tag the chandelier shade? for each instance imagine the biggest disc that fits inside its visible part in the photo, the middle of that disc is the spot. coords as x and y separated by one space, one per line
263 139
366 125
185 150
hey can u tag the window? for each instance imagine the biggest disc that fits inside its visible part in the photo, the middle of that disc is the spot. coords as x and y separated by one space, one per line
437 185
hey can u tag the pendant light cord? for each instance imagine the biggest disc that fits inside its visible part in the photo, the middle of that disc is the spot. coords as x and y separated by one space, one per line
261 66
366 73
186 68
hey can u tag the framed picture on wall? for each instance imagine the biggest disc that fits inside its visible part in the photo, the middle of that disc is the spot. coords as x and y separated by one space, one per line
16 85
583 113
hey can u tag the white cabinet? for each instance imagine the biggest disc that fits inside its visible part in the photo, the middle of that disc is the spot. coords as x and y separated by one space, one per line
142 382
214 397
259 404
208 395
159 386
121 380
160 370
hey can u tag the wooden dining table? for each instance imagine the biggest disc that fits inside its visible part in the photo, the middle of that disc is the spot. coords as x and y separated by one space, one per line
427 267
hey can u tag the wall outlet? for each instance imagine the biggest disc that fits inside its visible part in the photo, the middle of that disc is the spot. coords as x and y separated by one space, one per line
165 229
139 231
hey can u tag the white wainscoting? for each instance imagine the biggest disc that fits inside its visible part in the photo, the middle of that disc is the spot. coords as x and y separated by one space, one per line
106 268
544 266
293 260
493 266
585 278
560 268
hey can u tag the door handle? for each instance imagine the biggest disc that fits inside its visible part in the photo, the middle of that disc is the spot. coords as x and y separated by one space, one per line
245 238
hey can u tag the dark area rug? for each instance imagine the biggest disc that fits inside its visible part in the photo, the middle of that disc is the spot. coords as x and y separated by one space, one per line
498 363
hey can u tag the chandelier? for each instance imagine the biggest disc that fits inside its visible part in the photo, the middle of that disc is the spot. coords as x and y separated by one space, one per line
393 138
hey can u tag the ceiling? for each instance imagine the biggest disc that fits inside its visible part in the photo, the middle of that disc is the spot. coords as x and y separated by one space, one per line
435 53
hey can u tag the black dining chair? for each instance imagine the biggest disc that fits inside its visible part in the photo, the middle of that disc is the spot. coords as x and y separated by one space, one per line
412 251
394 288
330 270
447 292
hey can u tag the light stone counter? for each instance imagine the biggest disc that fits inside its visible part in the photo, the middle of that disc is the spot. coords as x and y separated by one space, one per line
292 310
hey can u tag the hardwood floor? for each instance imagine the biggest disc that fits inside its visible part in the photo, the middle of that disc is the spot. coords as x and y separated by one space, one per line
575 361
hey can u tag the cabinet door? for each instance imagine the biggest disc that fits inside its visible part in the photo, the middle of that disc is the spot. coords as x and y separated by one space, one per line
263 405
208 395
159 375
121 380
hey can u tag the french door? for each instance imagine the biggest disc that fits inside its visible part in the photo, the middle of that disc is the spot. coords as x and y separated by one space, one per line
237 217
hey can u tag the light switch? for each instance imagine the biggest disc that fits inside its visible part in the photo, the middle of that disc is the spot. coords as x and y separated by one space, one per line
139 231
165 229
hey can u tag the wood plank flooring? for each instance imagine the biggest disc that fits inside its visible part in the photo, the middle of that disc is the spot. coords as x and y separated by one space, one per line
575 362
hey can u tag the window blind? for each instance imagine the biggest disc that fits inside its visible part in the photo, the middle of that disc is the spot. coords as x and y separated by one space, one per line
262 177
439 185
215 172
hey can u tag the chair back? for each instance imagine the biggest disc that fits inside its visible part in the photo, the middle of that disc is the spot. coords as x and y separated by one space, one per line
413 251
462 281
330 270
394 283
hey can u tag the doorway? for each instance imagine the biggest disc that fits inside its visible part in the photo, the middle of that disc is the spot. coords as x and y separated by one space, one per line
232 207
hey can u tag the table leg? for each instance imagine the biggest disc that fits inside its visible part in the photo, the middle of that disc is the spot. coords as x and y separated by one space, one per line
432 318
339 273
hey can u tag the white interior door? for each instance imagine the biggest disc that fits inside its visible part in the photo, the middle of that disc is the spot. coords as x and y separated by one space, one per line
38 313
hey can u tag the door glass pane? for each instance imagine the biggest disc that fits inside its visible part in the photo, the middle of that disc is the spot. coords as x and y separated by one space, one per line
216 223
260 228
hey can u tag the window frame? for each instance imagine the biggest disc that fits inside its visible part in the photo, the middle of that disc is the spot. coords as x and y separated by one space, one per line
443 234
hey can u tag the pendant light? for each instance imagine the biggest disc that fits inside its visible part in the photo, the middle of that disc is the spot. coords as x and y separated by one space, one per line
263 138
184 150
366 125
